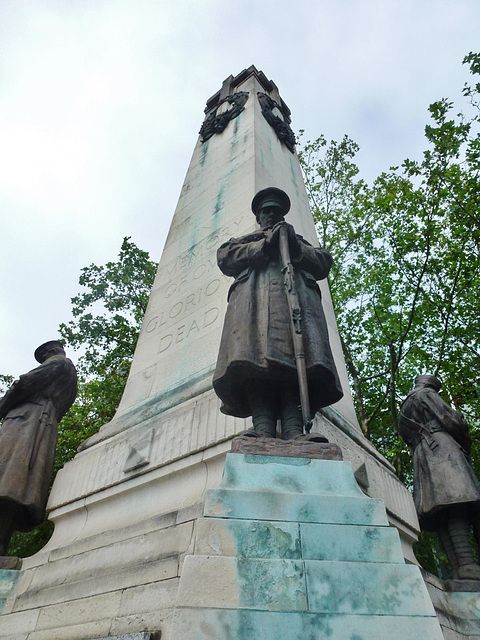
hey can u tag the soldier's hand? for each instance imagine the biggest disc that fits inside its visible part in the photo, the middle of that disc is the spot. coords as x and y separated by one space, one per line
293 242
270 238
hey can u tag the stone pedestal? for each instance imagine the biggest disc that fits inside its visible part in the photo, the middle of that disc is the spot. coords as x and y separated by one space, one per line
457 611
8 580
292 548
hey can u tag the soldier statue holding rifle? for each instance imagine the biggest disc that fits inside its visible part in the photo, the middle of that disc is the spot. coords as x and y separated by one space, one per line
445 488
31 410
275 360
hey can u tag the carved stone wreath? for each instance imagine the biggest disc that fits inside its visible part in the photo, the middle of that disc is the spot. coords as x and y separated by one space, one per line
281 125
217 122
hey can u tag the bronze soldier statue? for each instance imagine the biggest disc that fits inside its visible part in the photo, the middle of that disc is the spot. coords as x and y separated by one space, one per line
445 488
31 410
257 371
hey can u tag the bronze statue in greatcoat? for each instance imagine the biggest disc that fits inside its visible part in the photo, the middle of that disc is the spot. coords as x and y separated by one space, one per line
445 488
256 372
31 410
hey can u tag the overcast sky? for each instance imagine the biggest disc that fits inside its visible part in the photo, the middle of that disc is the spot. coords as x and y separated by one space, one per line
101 102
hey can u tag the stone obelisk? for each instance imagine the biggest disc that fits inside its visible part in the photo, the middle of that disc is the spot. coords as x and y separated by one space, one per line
125 508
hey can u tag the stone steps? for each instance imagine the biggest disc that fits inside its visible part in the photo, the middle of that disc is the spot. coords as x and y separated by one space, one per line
291 548
291 540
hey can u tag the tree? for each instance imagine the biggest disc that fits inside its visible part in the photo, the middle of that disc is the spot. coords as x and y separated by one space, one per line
407 256
107 317
406 253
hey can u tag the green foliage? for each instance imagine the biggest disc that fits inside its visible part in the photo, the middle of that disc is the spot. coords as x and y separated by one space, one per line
407 269
107 318
5 383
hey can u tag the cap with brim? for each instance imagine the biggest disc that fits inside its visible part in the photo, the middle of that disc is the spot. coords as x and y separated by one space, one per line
272 197
41 351
433 381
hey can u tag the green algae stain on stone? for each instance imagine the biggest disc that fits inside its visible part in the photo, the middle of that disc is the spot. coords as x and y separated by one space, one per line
275 585
219 203
294 176
251 458
289 484
266 540
203 152
8 580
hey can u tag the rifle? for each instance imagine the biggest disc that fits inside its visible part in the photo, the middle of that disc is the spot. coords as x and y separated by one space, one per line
296 327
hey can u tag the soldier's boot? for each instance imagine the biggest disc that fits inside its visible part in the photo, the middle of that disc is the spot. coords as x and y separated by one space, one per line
7 527
447 546
460 535
261 398
264 424
291 417
476 530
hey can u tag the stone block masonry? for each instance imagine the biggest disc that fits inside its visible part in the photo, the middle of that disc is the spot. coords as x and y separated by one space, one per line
291 548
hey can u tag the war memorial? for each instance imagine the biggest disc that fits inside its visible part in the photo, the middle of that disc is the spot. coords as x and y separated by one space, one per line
194 514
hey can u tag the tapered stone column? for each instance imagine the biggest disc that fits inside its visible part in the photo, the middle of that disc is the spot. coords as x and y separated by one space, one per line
169 411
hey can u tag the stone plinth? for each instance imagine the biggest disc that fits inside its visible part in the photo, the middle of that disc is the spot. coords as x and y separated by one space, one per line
8 581
457 611
292 548
286 448
12 563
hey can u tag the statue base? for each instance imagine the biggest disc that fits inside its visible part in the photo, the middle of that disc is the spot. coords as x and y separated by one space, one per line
11 563
469 586
457 605
286 448
290 547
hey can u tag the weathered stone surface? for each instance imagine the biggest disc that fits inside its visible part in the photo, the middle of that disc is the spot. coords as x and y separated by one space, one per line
245 625
99 584
366 588
10 563
457 612
18 623
149 597
264 505
74 632
154 546
264 539
286 448
468 586
79 611
144 635
243 583
290 475
113 536
350 543
279 585
341 580
160 619
247 538
8 580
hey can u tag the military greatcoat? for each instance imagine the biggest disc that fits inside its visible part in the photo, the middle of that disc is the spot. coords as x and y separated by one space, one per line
32 409
256 341
442 473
